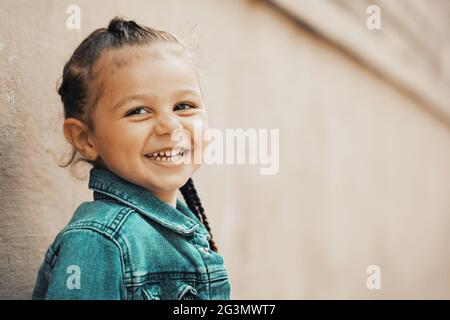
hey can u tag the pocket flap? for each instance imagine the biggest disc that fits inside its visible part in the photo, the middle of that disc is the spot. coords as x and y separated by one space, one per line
151 291
186 292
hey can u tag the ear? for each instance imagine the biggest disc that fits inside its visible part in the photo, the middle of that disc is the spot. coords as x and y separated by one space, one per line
77 134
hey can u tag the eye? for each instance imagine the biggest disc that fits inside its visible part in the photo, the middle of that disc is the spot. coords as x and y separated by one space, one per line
185 106
137 111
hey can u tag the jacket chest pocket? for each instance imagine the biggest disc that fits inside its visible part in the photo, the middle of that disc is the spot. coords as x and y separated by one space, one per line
170 290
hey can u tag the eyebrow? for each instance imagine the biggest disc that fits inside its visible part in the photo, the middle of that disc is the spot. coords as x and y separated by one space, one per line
147 96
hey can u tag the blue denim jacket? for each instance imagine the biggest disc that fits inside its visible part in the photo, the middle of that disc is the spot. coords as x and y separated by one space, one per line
129 244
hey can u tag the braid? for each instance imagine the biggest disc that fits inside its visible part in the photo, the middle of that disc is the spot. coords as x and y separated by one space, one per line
193 201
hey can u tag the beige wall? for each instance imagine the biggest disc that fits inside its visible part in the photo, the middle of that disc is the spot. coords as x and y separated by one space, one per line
364 154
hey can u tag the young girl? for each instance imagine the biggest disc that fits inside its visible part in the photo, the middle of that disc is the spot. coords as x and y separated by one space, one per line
126 90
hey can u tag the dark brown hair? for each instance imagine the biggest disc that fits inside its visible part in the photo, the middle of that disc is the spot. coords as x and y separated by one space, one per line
78 75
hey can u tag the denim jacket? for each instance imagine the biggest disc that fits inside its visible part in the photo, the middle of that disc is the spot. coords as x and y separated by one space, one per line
129 244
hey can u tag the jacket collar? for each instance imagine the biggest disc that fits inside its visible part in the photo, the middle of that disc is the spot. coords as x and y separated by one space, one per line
106 184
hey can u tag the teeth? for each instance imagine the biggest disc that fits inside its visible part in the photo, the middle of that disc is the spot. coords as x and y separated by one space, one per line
173 155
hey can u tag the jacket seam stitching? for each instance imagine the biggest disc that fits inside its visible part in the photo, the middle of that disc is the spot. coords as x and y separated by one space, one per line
123 251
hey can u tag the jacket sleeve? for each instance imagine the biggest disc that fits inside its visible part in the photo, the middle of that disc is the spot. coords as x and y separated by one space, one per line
88 266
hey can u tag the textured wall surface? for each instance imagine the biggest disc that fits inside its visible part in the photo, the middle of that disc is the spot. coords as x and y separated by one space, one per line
364 173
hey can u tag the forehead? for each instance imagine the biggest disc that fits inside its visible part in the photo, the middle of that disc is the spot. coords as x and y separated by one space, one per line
157 70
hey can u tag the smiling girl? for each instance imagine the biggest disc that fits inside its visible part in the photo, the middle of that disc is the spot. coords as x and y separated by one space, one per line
126 90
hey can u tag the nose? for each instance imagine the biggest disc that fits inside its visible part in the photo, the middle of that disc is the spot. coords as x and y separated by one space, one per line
167 123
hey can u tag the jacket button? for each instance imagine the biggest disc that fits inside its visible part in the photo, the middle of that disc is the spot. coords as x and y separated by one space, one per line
205 250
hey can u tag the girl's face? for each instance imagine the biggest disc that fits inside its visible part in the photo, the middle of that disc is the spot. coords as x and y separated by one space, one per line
146 94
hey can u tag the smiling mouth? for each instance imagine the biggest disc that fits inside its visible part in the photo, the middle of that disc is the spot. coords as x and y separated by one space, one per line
167 156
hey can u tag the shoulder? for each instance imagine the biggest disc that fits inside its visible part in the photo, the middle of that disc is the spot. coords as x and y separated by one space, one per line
97 223
112 220
103 216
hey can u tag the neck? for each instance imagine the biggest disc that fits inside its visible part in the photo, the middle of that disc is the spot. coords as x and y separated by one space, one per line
169 197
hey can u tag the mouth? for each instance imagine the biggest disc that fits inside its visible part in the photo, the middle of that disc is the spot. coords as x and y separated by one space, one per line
170 156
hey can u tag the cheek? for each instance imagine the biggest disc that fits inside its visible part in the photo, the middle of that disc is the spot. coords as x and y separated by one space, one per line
197 127
120 139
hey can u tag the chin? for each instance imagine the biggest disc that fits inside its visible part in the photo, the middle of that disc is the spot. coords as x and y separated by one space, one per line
170 183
